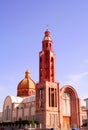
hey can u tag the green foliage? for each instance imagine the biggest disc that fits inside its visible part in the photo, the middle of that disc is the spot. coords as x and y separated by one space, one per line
24 122
6 123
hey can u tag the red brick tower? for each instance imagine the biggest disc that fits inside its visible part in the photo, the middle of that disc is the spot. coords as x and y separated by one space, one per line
47 90
47 60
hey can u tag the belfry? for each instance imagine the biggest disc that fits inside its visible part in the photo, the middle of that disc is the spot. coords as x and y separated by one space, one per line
47 89
47 60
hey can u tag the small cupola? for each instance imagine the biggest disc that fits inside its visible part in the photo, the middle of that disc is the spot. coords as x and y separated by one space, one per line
47 36
47 41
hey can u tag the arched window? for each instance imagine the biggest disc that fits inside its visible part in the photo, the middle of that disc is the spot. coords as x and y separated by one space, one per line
46 46
50 46
66 104
40 62
40 67
52 68
7 113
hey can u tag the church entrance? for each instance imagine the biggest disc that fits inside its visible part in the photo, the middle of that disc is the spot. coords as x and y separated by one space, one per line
66 121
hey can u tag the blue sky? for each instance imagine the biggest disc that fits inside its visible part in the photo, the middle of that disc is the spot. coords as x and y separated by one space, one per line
22 27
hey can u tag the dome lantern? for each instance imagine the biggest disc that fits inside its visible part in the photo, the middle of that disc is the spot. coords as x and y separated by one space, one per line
27 74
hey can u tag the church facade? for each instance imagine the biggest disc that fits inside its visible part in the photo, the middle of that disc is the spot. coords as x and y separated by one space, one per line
46 102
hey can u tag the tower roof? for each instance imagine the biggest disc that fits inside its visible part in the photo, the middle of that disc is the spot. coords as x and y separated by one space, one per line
47 36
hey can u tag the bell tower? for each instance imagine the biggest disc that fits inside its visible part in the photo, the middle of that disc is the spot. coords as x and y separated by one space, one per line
47 60
47 90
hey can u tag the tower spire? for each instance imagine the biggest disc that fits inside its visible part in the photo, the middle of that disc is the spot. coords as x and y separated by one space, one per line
47 27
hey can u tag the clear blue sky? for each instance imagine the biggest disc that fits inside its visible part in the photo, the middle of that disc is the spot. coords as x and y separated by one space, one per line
22 27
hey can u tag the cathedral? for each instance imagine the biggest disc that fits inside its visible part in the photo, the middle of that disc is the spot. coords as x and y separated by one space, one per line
46 102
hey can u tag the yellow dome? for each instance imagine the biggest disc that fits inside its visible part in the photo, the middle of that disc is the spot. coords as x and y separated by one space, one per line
27 86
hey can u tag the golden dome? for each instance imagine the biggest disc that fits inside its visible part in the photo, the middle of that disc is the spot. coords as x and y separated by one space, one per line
26 87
